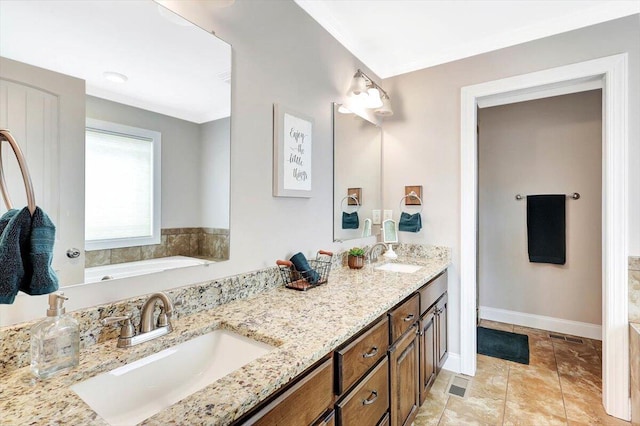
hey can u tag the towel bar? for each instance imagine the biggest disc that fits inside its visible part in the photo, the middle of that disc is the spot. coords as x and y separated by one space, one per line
574 196
5 135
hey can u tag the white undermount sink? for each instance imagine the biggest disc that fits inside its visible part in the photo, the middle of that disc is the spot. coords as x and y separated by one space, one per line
136 391
398 267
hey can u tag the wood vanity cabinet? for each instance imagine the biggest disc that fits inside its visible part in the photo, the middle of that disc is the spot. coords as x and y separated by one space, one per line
302 403
428 355
379 377
404 362
432 332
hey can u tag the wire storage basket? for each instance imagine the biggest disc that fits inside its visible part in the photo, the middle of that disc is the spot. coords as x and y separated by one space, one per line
299 280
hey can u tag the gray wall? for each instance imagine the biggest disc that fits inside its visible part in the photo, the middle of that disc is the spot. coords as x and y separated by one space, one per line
215 173
546 146
422 140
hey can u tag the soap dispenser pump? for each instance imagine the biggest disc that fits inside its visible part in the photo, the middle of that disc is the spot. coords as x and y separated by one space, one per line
55 341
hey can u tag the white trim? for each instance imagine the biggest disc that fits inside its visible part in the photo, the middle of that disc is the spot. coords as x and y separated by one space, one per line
581 85
559 325
613 70
452 363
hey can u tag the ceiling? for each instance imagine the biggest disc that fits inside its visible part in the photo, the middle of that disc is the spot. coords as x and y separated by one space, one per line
173 67
393 37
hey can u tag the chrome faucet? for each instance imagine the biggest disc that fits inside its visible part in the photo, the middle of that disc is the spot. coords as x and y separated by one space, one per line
148 329
370 253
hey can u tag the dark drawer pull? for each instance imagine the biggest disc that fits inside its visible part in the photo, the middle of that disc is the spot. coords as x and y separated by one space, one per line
371 353
408 318
371 399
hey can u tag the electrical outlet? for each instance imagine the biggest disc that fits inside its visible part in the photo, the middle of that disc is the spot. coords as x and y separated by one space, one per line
388 214
376 217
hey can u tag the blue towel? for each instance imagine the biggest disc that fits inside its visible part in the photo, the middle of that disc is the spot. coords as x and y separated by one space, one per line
410 222
15 228
350 220
302 265
40 277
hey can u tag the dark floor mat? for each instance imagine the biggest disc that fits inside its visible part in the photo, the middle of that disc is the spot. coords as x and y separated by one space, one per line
503 344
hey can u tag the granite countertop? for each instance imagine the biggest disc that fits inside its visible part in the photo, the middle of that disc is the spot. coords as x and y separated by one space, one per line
304 326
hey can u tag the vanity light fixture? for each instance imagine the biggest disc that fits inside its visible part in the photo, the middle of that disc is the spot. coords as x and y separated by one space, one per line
343 110
359 85
115 77
370 94
385 109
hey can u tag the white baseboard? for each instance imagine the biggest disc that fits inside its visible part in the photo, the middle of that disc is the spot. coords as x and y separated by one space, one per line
575 328
452 363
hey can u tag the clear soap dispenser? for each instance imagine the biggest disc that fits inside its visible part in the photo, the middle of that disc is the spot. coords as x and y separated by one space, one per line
55 341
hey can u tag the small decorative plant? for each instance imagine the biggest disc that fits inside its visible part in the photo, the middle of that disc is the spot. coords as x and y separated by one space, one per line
355 260
356 251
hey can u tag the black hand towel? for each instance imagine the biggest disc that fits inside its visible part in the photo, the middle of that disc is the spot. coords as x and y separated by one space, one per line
546 231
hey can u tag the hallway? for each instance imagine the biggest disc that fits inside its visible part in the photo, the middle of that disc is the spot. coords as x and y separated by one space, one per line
561 385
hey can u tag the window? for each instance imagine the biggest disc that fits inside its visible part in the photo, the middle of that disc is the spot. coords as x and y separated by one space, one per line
122 186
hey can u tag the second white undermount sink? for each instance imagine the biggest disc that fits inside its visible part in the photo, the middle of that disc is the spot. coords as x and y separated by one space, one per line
398 267
138 390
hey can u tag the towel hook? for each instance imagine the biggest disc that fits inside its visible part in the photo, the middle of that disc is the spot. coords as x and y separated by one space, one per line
5 135
412 194
354 198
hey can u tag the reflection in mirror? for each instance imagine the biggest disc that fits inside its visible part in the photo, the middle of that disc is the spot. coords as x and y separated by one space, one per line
116 86
357 164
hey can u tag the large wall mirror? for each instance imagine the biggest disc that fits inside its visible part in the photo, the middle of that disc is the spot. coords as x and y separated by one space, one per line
123 111
357 168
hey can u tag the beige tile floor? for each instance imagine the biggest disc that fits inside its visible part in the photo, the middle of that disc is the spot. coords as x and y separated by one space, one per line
562 385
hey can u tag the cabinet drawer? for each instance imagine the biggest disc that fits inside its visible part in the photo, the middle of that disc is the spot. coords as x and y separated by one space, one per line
404 316
359 356
302 403
368 401
432 291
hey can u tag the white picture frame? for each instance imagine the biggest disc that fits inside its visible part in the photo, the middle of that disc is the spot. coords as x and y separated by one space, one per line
292 153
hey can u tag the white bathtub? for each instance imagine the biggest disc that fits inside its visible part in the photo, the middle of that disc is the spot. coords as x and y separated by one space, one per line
131 269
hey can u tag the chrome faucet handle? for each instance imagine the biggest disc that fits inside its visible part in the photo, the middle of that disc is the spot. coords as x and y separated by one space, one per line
127 330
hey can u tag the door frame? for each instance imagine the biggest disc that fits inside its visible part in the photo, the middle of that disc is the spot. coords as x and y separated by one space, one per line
613 72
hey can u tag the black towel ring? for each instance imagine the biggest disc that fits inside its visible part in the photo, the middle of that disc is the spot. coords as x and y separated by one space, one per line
5 135
354 198
412 194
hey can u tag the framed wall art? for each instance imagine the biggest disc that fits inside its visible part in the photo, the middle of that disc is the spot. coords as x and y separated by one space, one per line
292 153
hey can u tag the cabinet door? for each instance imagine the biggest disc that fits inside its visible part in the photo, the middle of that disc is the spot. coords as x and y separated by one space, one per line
441 326
428 355
404 379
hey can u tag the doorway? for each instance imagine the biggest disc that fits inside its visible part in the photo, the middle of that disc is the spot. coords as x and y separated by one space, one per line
612 73
551 145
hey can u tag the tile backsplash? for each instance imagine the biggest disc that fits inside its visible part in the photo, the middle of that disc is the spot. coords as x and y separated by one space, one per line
210 243
634 289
